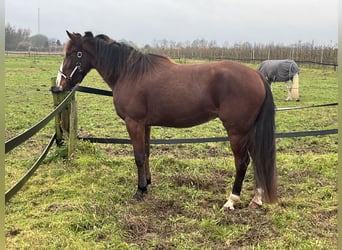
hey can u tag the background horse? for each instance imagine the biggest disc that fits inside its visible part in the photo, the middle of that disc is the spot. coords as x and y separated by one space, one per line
151 90
282 71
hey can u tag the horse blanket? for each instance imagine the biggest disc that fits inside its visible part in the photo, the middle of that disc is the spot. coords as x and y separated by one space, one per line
282 71
279 70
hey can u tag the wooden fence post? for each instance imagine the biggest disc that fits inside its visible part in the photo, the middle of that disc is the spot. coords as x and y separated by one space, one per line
66 121
72 127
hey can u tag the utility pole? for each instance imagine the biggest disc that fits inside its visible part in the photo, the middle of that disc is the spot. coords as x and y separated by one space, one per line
38 20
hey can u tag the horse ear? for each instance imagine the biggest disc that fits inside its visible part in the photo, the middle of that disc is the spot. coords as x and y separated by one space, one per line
89 34
72 36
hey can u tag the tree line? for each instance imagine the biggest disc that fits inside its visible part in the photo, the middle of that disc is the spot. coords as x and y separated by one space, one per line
21 40
202 49
245 51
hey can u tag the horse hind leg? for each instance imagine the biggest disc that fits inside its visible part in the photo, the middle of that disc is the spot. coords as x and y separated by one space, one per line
295 87
256 202
242 159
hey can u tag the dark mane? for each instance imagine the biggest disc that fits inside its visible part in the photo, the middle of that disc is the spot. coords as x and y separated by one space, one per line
121 59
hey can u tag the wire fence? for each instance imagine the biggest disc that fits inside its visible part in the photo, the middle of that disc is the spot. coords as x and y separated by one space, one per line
21 138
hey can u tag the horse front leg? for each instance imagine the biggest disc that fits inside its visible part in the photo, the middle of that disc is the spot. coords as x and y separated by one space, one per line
137 134
289 89
147 153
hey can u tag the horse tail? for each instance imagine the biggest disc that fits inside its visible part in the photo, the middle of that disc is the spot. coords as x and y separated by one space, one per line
263 149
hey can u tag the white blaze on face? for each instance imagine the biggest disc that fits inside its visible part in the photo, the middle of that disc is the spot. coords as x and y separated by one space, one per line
59 75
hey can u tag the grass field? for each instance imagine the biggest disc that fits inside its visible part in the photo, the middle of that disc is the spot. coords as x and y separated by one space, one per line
86 203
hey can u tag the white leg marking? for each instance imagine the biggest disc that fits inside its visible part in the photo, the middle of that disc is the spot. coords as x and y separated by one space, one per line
289 95
59 75
257 199
229 205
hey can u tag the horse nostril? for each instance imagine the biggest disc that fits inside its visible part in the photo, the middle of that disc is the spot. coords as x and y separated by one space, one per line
56 89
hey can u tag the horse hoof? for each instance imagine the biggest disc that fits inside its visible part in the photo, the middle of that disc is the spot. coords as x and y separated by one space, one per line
139 195
228 206
254 205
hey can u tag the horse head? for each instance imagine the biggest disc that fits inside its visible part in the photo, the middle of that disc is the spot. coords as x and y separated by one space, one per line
77 61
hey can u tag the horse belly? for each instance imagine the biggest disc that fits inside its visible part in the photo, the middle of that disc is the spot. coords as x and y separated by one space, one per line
180 112
183 121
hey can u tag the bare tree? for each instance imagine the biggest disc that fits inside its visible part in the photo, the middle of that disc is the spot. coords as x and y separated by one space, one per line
14 37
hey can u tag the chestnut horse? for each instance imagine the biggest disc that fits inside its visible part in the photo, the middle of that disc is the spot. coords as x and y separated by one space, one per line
151 90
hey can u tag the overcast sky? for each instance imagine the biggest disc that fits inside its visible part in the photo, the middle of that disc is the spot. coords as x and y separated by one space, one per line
142 21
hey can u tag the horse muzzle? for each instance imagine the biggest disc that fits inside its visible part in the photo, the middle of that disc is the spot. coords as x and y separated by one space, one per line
61 85
57 89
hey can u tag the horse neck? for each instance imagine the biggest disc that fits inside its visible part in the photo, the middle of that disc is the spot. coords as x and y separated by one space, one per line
116 62
111 61
109 78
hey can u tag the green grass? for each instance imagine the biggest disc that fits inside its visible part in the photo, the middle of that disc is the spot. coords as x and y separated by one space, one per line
86 203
